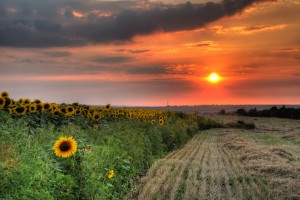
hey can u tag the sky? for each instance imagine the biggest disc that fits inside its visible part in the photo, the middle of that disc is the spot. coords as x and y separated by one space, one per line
150 52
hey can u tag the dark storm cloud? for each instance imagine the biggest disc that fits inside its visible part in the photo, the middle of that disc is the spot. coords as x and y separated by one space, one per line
148 70
48 23
133 51
112 59
57 53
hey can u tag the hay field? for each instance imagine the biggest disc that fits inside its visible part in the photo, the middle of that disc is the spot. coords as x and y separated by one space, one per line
263 163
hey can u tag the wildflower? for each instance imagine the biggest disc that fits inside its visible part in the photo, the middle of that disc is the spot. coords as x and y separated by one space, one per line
65 147
111 174
96 127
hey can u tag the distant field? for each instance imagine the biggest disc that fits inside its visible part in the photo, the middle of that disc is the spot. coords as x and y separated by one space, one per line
263 163
213 109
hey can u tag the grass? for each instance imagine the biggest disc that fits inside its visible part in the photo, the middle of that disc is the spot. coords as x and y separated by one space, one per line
30 170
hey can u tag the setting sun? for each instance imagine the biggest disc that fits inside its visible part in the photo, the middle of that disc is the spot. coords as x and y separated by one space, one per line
213 78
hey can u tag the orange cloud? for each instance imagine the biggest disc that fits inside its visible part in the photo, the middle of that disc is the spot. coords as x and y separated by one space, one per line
246 30
77 14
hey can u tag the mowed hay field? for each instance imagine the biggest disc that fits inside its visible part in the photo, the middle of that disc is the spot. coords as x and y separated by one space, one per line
225 163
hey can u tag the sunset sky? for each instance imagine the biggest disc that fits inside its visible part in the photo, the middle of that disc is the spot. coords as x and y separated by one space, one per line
150 53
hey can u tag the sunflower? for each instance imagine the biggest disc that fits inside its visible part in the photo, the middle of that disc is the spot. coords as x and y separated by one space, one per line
32 108
26 101
55 113
4 94
63 111
70 110
153 121
20 100
78 111
46 107
2 102
65 147
108 107
8 101
20 110
111 174
37 101
96 117
161 122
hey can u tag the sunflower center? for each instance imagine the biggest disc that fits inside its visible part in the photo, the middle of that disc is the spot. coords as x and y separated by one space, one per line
20 109
65 146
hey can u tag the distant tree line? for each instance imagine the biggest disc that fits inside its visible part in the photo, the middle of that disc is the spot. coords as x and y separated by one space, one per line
282 112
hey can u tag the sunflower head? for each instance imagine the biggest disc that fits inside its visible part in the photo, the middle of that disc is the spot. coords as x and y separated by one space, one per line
26 101
4 94
108 106
96 117
161 122
8 101
78 111
55 113
70 110
20 110
46 106
37 101
153 121
111 174
2 102
63 111
32 108
65 147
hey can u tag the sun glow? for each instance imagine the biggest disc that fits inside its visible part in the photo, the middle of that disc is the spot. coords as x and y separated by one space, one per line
213 78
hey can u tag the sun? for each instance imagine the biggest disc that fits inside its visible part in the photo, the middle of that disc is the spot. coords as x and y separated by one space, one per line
214 78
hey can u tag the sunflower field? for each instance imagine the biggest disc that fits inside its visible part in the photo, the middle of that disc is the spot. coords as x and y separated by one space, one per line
72 151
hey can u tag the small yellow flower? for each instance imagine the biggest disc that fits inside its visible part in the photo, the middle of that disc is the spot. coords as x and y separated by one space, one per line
96 127
111 174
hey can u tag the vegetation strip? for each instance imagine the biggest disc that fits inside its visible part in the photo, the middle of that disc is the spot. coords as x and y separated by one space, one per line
73 151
